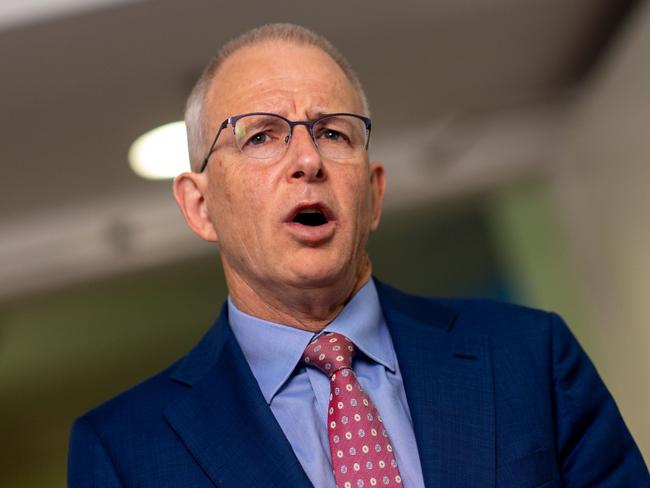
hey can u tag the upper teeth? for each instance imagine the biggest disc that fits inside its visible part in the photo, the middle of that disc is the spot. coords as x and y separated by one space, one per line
310 210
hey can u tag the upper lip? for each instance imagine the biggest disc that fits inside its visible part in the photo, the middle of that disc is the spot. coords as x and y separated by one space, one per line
319 206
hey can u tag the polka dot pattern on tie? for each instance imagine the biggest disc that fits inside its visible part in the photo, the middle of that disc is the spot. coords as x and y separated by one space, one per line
362 455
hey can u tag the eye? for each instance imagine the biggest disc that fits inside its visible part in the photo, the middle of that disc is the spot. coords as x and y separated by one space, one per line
257 139
337 131
257 131
333 135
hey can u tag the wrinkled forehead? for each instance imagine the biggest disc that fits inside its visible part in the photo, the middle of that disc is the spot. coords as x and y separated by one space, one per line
281 77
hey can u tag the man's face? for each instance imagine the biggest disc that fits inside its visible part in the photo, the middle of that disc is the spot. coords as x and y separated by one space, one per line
253 205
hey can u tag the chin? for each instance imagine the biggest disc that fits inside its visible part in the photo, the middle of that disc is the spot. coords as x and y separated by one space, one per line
314 274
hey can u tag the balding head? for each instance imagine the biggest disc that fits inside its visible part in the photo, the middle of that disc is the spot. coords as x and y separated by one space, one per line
199 121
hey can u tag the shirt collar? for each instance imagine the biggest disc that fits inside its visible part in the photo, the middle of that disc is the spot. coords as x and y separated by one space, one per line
273 350
362 321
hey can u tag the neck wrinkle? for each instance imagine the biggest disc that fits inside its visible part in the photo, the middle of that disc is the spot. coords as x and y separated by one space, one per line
297 308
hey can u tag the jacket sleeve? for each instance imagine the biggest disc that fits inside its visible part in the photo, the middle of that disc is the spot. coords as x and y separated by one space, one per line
89 463
594 446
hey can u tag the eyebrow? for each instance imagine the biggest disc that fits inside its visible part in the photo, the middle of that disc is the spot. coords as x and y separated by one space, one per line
318 114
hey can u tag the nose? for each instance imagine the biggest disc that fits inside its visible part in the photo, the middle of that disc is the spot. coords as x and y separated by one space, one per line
304 158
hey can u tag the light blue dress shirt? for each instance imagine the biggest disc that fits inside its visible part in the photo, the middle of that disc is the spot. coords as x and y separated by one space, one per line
299 395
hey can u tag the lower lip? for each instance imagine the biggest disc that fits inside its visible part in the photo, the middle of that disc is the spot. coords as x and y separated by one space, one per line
312 235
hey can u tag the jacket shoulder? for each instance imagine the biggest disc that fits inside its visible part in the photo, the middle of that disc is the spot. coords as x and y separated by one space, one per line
467 315
494 317
136 404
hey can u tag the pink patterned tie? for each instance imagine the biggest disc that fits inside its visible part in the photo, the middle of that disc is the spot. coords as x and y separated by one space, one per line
362 455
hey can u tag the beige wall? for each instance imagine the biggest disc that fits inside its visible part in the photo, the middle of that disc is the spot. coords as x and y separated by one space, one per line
602 189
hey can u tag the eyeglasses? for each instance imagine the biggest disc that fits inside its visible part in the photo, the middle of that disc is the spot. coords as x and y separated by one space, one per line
266 136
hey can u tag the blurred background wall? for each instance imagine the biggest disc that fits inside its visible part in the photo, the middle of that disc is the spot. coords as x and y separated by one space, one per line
516 136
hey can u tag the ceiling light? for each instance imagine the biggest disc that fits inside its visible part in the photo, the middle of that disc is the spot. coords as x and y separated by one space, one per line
160 153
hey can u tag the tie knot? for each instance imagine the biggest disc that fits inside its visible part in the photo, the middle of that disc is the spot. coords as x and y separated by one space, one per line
330 353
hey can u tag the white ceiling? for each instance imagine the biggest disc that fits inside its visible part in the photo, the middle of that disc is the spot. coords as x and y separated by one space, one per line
18 13
453 79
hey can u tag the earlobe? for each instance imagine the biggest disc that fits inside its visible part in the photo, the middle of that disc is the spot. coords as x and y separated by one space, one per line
189 192
377 187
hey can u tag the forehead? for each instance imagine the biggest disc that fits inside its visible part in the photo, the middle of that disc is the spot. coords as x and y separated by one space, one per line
281 77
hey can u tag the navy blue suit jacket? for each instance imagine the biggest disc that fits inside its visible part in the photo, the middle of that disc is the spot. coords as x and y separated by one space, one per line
500 396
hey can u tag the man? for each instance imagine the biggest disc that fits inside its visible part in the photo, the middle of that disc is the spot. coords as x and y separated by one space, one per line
316 374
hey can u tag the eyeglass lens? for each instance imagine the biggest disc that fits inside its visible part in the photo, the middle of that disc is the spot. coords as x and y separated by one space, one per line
267 136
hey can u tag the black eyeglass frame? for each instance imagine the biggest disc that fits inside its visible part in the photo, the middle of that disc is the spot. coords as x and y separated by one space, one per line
232 120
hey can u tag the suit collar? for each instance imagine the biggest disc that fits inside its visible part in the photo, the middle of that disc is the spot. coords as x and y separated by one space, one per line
415 310
447 377
224 421
202 357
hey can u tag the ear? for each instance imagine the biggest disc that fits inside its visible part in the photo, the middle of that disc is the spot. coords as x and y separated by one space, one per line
377 188
189 191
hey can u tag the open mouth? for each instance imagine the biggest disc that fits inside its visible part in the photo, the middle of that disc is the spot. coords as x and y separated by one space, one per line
311 215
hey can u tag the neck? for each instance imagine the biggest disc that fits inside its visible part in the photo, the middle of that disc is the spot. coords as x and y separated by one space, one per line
307 308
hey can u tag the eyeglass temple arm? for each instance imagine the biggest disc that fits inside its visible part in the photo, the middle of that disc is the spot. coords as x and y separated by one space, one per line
224 124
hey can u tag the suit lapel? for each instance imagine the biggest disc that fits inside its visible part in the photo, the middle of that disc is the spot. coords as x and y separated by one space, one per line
225 422
448 381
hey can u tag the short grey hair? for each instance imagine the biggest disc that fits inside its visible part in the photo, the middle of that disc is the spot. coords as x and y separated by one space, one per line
196 120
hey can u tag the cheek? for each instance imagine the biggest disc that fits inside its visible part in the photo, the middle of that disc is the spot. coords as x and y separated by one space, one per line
226 186
244 201
356 200
225 205
363 190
